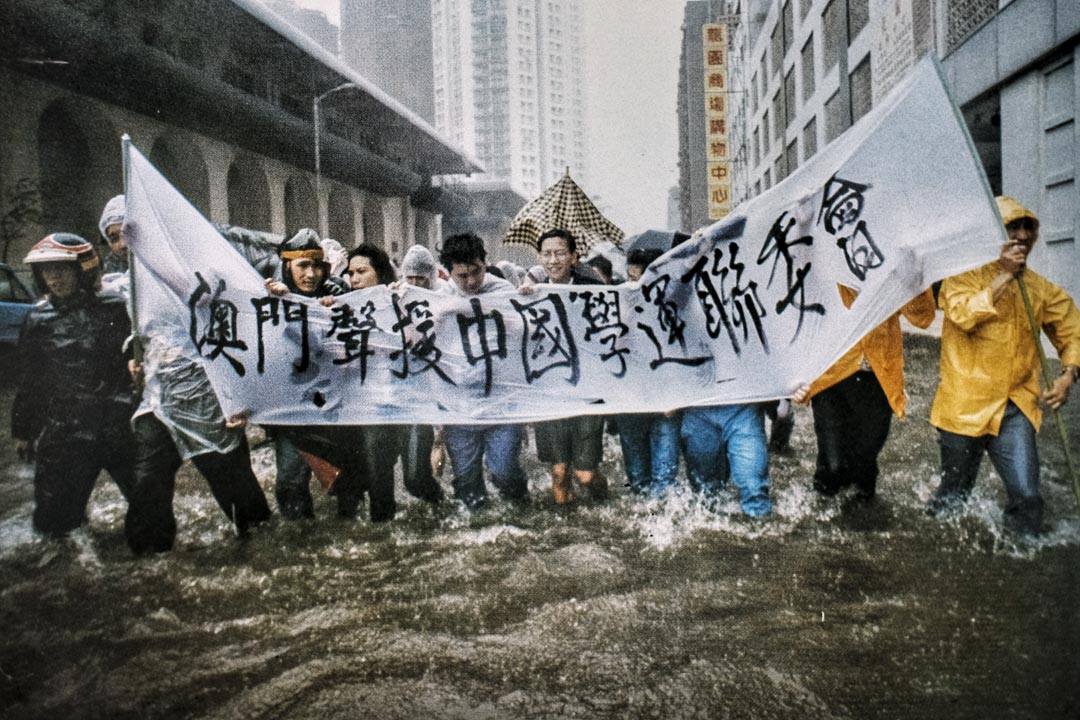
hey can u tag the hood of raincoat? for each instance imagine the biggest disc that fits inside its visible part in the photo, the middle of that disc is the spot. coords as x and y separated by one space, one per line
113 214
419 261
1011 210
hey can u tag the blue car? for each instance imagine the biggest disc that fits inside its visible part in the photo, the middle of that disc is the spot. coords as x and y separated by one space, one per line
15 302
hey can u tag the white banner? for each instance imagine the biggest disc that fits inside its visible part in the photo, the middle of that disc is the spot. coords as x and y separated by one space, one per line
746 311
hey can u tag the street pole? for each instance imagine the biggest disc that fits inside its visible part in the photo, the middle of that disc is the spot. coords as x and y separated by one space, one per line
323 225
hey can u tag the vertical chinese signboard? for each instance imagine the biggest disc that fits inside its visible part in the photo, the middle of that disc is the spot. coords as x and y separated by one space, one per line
716 120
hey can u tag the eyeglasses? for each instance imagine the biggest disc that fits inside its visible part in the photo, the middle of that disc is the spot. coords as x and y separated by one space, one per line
555 255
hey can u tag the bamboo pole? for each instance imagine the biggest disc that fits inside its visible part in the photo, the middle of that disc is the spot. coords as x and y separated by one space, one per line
1048 382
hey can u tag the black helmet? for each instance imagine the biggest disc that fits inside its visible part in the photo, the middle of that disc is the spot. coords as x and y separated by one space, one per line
65 247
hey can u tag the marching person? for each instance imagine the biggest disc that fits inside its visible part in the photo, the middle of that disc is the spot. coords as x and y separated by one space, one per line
650 441
989 397
179 418
369 266
472 446
575 442
111 226
73 405
423 448
304 271
854 400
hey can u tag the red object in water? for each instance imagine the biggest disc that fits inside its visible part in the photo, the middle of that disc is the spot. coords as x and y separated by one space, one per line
326 473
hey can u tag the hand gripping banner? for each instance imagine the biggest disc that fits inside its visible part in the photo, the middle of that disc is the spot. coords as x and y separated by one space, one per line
745 311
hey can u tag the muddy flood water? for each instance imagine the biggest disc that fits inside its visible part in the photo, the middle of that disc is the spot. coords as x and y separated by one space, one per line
626 609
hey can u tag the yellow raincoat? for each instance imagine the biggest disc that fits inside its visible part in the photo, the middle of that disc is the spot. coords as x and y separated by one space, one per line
883 348
988 356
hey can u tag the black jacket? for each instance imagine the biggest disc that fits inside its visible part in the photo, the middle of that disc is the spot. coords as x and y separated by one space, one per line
72 365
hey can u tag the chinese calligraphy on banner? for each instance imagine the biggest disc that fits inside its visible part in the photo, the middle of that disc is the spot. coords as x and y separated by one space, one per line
745 311
716 120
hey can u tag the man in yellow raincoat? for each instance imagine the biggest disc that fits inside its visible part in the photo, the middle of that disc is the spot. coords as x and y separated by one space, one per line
855 399
989 396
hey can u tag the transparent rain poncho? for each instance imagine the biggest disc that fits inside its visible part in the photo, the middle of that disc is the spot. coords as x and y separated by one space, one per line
176 389
178 392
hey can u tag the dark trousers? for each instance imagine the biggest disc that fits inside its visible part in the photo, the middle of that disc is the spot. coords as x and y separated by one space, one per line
150 525
417 442
365 455
69 459
291 481
851 421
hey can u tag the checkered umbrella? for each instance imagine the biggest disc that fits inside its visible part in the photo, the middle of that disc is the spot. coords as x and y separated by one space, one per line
565 206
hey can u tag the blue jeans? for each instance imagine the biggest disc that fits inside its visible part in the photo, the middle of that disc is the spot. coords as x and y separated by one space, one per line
727 437
1014 455
650 445
496 446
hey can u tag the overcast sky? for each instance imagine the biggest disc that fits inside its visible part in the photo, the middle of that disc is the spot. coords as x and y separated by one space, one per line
632 58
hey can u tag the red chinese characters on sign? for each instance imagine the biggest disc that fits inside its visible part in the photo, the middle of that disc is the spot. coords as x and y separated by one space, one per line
714 38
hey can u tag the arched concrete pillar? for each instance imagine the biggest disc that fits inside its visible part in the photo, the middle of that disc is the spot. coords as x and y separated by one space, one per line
340 216
300 207
79 165
219 158
251 195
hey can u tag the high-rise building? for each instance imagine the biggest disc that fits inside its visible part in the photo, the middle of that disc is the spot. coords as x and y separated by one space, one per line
800 72
389 42
312 23
509 86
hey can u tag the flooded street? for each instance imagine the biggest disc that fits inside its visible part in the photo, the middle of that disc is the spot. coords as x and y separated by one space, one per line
627 609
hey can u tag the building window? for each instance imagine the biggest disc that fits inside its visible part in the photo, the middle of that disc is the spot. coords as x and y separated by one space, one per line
808 69
835 118
764 74
809 139
765 180
753 94
757 146
777 49
861 93
858 17
779 115
792 156
833 32
765 134
804 8
789 98
789 27
779 173
964 18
